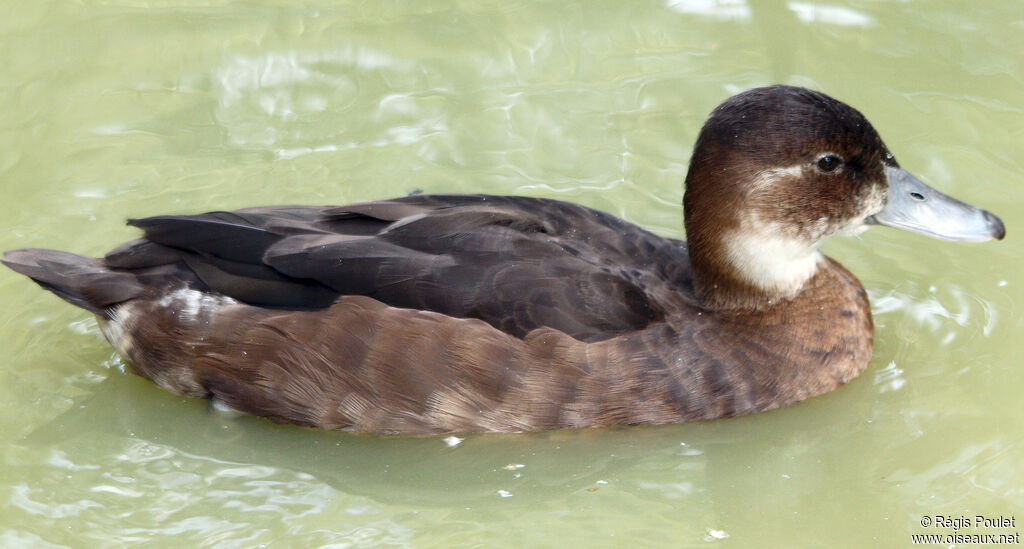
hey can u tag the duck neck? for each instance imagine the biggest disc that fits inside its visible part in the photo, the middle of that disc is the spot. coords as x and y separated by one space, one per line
747 263
752 271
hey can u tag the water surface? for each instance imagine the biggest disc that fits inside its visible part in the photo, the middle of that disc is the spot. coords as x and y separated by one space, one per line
116 109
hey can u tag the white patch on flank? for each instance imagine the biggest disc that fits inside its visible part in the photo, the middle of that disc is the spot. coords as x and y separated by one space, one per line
765 256
765 178
117 330
221 407
189 303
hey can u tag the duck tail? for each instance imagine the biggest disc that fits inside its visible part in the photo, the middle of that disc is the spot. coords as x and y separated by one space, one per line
82 281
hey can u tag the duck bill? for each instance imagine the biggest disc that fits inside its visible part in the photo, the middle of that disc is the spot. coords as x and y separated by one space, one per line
916 207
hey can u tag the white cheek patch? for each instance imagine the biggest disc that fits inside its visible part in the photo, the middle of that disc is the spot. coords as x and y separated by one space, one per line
872 202
764 256
766 178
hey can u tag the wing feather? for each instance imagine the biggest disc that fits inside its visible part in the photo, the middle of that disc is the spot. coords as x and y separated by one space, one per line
516 263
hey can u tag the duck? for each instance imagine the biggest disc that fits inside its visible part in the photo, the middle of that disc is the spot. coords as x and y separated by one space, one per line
432 314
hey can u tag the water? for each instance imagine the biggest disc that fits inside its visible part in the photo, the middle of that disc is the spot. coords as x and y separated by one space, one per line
127 108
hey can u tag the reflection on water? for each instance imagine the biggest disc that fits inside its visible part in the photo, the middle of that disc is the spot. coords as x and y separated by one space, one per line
947 314
744 11
271 102
890 378
131 108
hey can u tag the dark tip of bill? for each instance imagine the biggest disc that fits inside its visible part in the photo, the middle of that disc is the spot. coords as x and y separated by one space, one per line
998 229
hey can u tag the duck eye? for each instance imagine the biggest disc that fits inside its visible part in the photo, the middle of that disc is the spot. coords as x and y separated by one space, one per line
829 163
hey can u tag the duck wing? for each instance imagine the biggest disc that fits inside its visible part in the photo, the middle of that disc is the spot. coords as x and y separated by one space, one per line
516 263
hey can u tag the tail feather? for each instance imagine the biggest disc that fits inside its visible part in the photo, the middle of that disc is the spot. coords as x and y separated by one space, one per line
82 281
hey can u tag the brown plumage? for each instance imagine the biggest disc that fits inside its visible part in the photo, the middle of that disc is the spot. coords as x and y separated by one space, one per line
434 314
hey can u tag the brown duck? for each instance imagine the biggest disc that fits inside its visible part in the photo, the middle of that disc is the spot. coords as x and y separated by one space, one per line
460 313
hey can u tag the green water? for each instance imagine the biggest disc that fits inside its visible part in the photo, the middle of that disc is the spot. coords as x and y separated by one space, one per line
114 109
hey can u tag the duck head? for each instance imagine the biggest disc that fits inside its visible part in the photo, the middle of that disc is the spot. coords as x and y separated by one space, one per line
778 170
